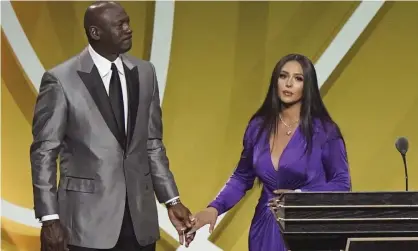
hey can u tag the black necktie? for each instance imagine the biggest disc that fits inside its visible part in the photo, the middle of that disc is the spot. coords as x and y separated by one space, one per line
116 99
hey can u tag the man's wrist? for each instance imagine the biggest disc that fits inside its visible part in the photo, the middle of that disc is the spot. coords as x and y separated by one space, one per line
173 202
49 222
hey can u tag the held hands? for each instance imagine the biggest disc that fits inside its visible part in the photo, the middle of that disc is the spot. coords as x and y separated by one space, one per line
182 219
187 227
54 236
207 216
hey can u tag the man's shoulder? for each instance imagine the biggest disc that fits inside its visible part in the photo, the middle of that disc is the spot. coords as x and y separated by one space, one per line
137 61
65 66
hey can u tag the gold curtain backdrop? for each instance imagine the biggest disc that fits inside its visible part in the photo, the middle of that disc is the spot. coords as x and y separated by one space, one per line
222 55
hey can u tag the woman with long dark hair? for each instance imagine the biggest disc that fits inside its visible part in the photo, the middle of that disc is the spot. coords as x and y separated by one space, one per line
290 144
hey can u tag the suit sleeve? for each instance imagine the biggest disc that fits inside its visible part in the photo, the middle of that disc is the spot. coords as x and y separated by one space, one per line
48 130
240 181
163 180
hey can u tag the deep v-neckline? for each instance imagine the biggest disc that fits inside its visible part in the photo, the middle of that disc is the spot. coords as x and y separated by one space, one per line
279 159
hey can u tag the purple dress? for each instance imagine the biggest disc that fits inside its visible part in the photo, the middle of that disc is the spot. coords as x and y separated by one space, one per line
326 169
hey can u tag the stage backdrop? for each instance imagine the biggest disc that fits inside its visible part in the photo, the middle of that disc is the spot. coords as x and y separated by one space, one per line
214 61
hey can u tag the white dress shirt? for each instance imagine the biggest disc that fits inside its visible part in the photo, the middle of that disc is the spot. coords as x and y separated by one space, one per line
104 67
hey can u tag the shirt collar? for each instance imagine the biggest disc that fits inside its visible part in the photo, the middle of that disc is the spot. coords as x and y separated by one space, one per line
103 65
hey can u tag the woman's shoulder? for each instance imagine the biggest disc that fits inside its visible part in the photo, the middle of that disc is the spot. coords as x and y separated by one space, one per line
255 122
253 128
328 128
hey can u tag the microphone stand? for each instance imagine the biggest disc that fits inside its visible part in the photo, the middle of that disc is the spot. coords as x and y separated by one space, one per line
406 171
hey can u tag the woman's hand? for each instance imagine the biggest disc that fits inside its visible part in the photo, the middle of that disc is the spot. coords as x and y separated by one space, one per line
207 216
280 192
274 202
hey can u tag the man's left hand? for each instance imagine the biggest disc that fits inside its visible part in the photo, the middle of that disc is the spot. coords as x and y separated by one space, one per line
182 219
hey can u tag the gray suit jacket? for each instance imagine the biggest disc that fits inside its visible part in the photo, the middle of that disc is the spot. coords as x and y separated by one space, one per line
74 124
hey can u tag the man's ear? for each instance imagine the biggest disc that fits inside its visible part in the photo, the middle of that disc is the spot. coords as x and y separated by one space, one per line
94 32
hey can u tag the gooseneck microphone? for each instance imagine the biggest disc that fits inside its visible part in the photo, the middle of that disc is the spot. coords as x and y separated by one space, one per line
402 146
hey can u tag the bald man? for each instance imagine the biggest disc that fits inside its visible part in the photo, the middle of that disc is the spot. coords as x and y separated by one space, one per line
99 112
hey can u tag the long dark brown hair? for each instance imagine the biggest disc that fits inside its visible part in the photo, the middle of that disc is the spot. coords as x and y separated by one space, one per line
312 107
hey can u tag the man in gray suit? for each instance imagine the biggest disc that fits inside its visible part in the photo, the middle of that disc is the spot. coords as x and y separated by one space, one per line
99 112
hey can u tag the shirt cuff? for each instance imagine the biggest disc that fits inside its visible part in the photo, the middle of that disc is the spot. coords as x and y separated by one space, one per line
50 217
172 199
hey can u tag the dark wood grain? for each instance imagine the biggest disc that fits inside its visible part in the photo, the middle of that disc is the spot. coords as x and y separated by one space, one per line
357 213
324 221
383 245
374 228
350 198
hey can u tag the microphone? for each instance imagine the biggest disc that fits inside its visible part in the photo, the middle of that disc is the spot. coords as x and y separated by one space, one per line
402 146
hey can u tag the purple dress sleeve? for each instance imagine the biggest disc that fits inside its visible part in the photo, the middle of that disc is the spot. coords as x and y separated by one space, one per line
334 159
241 180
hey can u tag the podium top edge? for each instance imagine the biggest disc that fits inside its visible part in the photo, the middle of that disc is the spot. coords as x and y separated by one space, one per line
354 192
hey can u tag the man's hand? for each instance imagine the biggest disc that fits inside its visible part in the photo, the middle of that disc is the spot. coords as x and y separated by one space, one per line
182 219
54 236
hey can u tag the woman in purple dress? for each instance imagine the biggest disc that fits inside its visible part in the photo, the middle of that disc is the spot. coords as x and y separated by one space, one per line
290 144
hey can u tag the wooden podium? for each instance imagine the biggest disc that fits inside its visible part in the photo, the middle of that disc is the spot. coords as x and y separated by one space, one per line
363 221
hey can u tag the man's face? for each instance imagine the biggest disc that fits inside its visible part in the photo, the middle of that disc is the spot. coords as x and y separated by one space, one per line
116 33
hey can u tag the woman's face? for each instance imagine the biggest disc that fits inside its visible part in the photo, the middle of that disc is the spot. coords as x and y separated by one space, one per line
290 83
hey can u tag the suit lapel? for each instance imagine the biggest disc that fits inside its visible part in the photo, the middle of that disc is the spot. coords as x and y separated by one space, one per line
94 84
132 83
